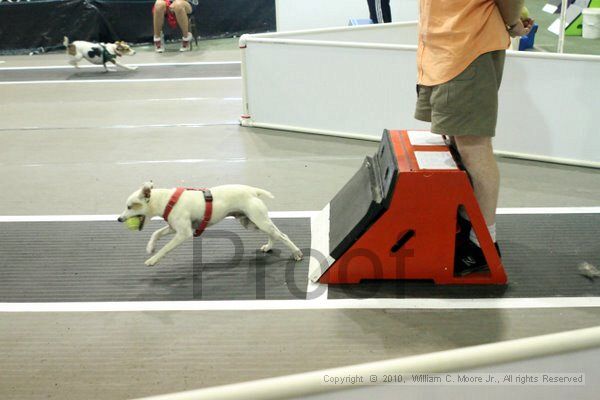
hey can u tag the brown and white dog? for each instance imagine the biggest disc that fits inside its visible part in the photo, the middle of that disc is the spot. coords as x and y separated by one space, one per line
98 53
240 201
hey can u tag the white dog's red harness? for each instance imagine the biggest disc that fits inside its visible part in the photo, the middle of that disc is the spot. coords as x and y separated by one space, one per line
207 210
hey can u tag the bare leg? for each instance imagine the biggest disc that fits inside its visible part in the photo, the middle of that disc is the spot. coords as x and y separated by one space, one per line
182 8
478 157
159 16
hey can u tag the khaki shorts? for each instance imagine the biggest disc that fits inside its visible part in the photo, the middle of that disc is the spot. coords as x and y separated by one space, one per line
467 104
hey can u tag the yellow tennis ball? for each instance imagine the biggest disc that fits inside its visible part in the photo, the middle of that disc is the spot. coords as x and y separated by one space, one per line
524 13
133 223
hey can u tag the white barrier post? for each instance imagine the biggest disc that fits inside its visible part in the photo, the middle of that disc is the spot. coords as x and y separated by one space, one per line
561 32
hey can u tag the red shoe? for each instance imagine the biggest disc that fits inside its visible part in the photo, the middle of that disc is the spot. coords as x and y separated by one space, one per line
186 42
158 45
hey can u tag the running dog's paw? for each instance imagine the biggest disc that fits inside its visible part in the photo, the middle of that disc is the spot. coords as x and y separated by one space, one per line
132 68
150 247
151 261
265 248
298 255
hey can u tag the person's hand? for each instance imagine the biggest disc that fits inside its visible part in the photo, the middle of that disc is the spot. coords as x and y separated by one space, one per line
528 23
522 28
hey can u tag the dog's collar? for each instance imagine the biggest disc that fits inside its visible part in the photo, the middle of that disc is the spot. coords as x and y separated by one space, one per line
107 55
208 198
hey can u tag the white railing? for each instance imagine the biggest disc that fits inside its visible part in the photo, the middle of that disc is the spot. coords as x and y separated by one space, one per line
354 82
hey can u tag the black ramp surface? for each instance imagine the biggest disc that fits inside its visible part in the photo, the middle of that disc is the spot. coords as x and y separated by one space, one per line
363 199
354 208
540 253
143 72
102 261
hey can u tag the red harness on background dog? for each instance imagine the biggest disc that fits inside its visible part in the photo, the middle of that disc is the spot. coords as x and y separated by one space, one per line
207 211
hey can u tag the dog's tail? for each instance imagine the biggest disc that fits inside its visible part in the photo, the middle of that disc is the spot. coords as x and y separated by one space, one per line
261 192
70 47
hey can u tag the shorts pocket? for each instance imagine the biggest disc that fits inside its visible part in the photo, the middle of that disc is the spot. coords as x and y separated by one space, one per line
439 98
463 96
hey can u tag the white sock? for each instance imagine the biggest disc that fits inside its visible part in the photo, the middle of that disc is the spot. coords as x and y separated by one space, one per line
156 38
491 229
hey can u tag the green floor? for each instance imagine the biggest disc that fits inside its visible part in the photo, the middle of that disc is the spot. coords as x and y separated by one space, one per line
547 41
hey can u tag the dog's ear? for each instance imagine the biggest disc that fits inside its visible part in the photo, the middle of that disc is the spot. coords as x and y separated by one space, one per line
146 190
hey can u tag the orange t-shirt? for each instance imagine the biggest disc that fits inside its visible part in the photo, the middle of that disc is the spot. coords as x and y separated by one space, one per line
453 33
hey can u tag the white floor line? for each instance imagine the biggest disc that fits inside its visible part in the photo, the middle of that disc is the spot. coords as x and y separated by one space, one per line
258 305
197 99
291 214
57 218
47 129
121 80
549 210
137 65
231 160
319 245
288 214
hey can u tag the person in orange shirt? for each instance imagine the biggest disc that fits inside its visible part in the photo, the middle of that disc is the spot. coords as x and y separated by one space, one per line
460 59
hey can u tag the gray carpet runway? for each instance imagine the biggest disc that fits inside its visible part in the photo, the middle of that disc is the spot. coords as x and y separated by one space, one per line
143 72
101 261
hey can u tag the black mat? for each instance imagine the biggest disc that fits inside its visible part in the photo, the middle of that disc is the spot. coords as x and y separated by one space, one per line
101 261
143 72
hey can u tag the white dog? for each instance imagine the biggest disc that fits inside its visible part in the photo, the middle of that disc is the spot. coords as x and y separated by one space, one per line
98 53
239 201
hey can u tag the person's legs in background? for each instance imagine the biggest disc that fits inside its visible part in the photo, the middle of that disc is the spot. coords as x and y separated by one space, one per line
181 9
386 11
158 19
379 11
